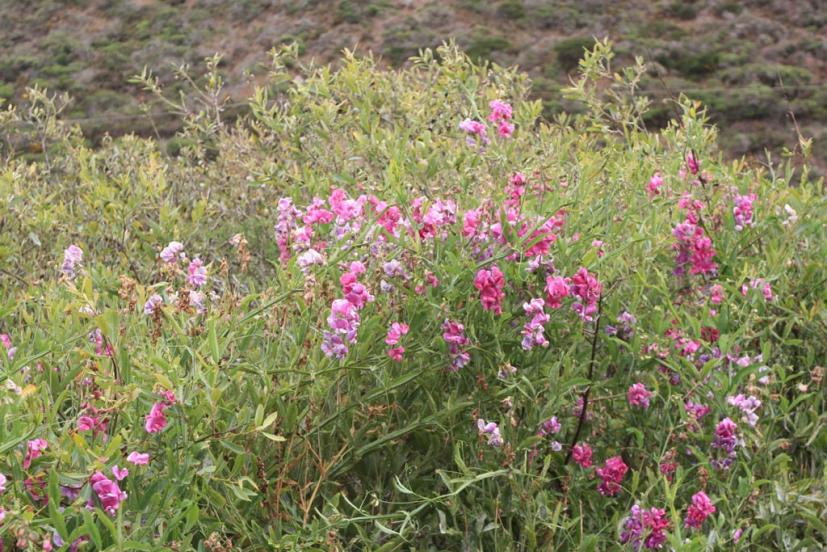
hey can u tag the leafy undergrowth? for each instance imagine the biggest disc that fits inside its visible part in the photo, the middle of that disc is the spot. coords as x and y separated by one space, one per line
393 310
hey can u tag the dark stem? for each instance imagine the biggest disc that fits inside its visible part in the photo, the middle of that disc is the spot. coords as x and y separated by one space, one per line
585 406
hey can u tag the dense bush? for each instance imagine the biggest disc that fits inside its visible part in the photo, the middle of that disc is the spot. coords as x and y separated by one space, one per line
394 310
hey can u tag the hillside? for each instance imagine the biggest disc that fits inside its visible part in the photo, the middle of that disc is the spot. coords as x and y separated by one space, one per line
752 62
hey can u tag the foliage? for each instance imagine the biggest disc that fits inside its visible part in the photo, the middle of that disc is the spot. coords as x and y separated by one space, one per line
266 442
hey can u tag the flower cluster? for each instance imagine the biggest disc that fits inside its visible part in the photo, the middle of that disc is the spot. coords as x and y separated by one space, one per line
72 260
490 283
7 344
726 439
700 509
395 333
491 430
454 335
533 335
638 396
156 420
108 491
645 528
743 211
587 289
611 474
582 455
748 406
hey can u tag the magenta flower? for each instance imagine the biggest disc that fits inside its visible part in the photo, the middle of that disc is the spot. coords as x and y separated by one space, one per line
197 273
156 421
505 129
587 289
743 211
138 458
492 430
533 331
654 185
500 111
454 335
549 427
638 395
582 455
119 473
7 344
3 481
716 294
700 509
109 494
34 449
490 284
72 259
645 527
693 164
396 353
611 475
556 289
172 252
153 303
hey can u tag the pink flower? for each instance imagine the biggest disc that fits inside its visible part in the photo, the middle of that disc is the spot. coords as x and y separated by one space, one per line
138 458
654 185
34 449
582 454
556 289
700 509
645 527
109 494
119 473
72 259
611 475
743 211
3 481
500 111
454 335
474 128
692 163
490 284
7 344
638 395
153 303
587 289
716 294
395 333
156 421
396 353
492 430
505 129
197 273
533 331
172 252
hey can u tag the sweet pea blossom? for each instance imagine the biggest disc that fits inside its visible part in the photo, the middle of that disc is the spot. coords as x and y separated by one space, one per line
156 421
638 395
611 474
645 527
138 458
7 344
34 449
454 335
196 273
500 111
172 252
742 211
533 335
587 289
475 129
582 455
72 259
152 304
108 492
748 406
490 284
492 430
654 185
3 481
700 509
556 289
119 473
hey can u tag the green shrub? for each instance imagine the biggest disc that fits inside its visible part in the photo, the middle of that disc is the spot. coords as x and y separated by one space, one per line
666 303
570 50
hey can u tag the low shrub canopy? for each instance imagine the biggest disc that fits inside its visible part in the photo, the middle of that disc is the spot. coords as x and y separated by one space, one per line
395 310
